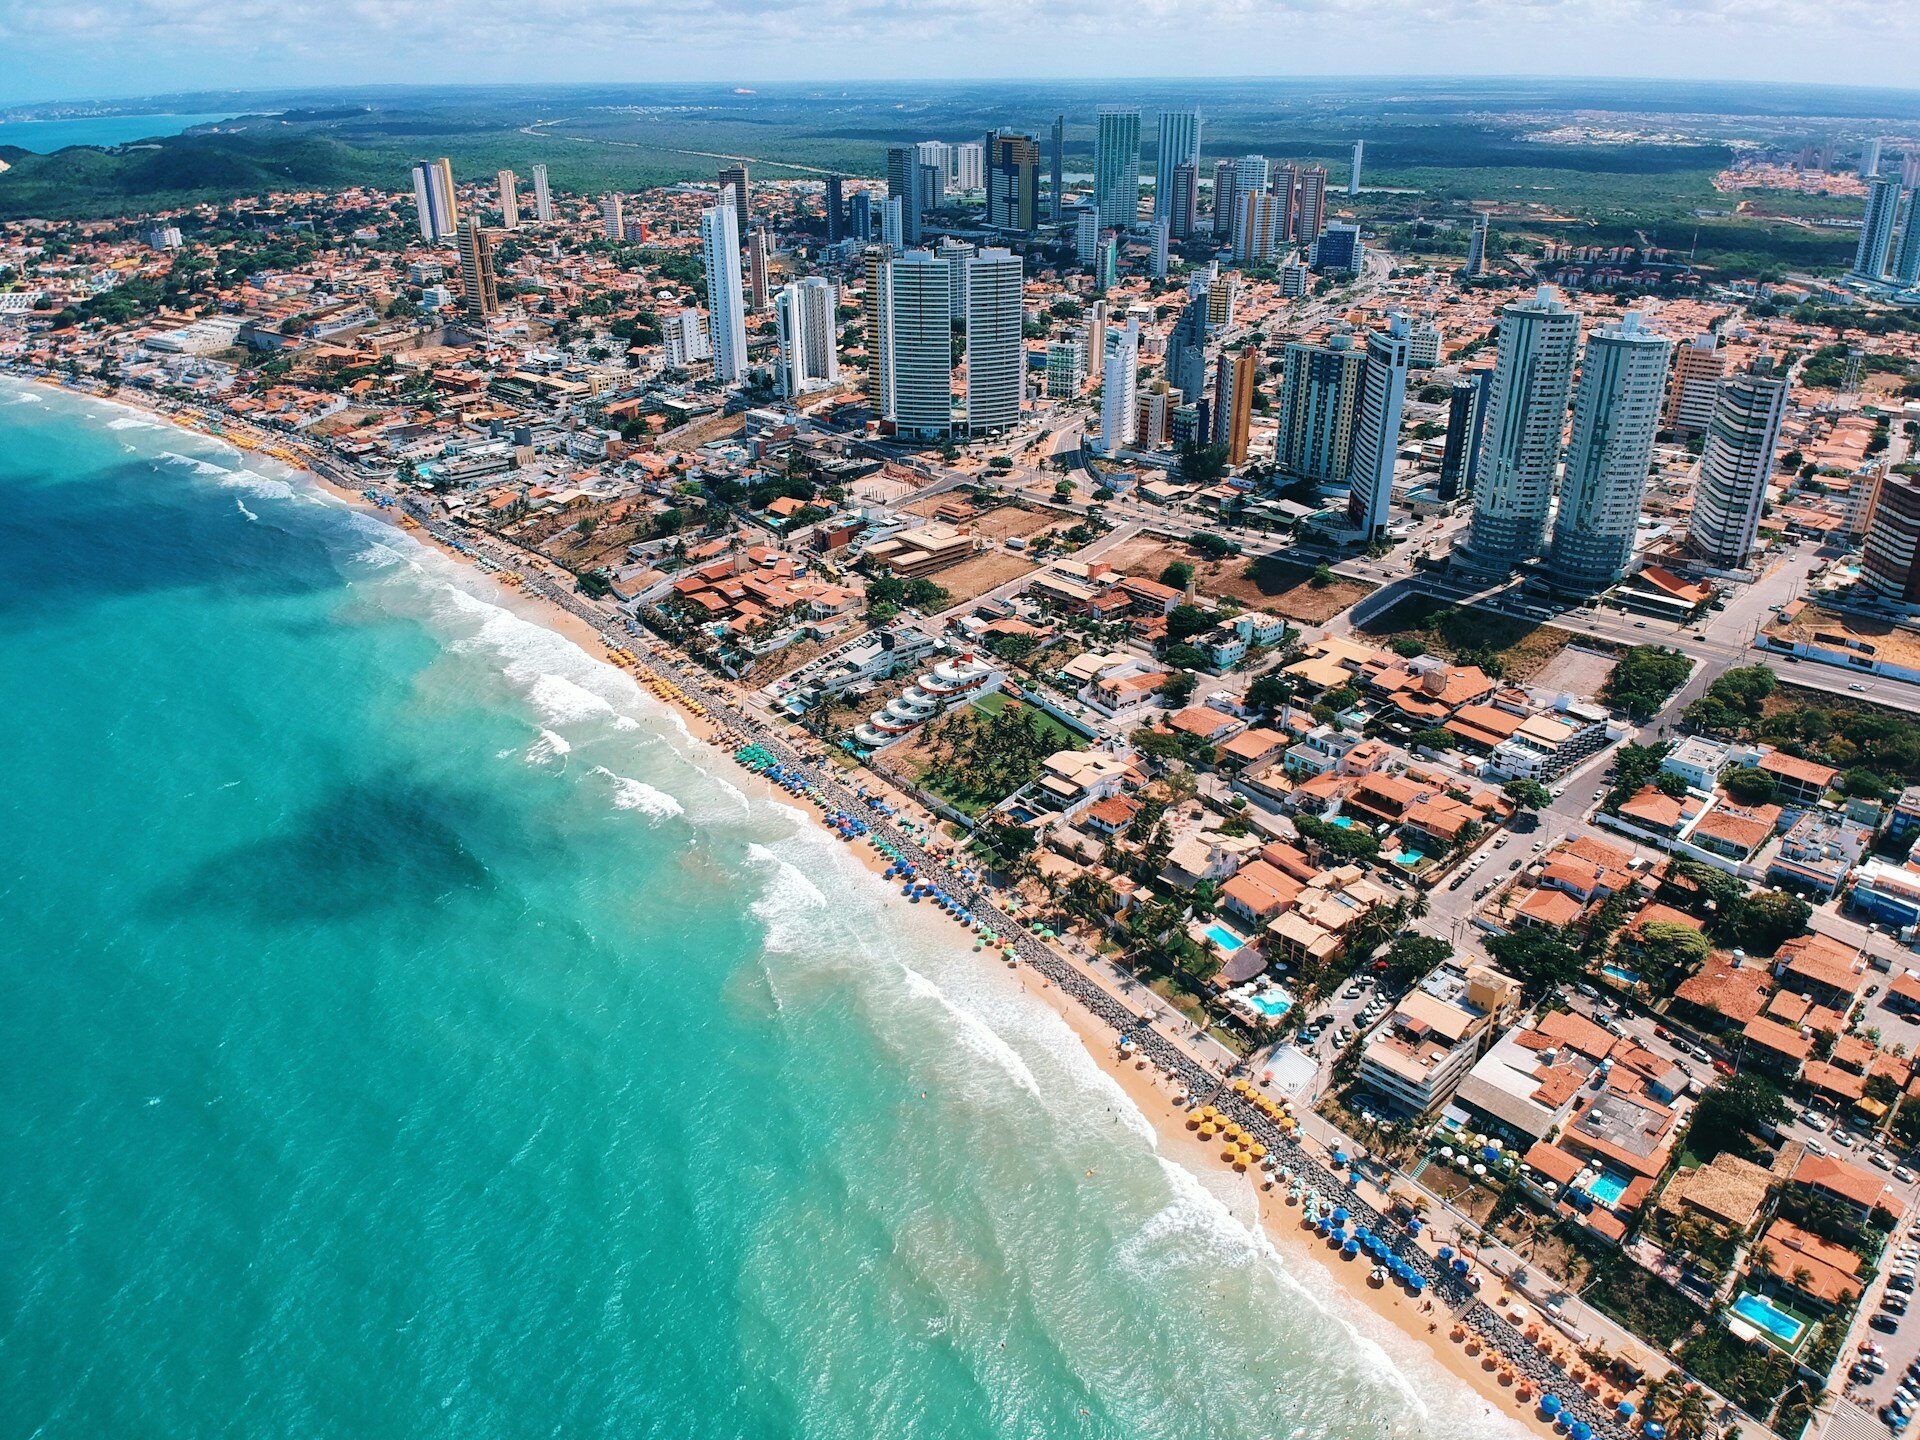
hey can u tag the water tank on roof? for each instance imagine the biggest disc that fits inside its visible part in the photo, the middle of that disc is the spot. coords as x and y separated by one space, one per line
1434 681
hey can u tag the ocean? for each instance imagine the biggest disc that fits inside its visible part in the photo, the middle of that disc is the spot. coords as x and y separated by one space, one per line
410 1032
43 137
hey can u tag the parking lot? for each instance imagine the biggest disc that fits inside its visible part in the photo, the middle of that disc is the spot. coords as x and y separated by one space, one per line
1885 1356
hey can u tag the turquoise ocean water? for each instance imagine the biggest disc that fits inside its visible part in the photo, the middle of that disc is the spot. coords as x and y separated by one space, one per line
43 137
408 1032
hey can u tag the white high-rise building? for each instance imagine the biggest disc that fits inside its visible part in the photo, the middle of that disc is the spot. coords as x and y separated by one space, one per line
1526 413
956 253
893 222
919 345
509 187
1116 167
726 299
542 196
1736 464
1876 228
613 222
1257 226
809 354
1906 260
996 357
1086 236
1870 157
433 194
1250 175
970 166
1353 175
1066 369
685 337
1179 145
1616 414
1162 234
1376 431
1119 395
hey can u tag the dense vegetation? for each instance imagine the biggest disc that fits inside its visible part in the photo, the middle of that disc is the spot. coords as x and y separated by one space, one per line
1878 749
1642 680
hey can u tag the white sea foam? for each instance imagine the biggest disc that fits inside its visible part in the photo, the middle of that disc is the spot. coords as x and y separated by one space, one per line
243 508
631 794
549 747
193 463
566 702
791 905
134 422
975 1033
27 397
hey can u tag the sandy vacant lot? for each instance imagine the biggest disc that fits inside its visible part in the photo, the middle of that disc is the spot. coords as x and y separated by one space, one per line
974 577
1274 585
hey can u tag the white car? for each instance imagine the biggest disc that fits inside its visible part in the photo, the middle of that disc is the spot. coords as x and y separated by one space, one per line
1879 1161
1845 1140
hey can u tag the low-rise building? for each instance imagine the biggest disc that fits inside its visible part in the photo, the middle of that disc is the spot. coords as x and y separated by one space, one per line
1427 1045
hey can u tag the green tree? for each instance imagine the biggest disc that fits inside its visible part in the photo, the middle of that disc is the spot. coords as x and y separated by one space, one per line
1731 1112
1642 680
1412 955
1749 785
1177 575
1527 794
1538 959
1186 621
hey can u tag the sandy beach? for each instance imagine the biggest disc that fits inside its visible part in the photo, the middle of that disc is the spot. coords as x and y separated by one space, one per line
1144 1084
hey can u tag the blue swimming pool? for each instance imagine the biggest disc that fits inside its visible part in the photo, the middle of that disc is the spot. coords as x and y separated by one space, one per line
1624 976
1608 1189
1273 1003
1769 1317
1345 822
1223 937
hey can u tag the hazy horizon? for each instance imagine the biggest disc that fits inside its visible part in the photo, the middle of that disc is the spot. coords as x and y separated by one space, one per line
93 52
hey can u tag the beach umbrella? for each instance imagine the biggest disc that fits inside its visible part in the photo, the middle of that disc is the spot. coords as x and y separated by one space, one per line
1340 1215
1446 1252
1351 1248
1654 1430
1625 1410
1339 1157
1581 1430
1480 1170
1417 1281
1549 1404
1460 1267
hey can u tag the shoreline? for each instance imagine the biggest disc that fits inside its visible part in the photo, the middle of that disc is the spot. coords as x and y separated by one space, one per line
1111 1029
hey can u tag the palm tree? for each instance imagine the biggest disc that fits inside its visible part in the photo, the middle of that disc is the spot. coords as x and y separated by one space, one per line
1691 1412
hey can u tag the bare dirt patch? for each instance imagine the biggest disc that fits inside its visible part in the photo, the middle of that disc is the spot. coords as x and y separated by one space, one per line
1267 583
974 577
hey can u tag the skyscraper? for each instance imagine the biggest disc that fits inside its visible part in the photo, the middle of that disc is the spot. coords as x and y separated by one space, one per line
1106 264
903 184
736 176
1376 432
1460 452
1179 144
509 188
1616 414
1910 169
542 196
1736 464
433 194
1162 234
1183 206
1255 226
1697 368
1187 349
876 261
970 168
1870 157
1119 405
1890 557
1526 412
996 356
956 253
726 305
1476 249
1319 404
1013 181
893 222
476 271
1223 291
1058 202
1233 395
612 217
1116 167
1286 194
1906 260
1066 369
809 356
1353 174
1250 175
1876 229
919 347
860 215
836 211
1223 196
1086 236
1311 208
757 286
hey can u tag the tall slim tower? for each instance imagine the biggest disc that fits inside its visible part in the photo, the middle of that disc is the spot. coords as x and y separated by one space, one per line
1119 407
1224 172
904 185
877 260
736 176
1179 145
1319 409
613 216
1616 414
1312 206
1116 167
1460 452
1233 394
1376 431
1876 229
509 187
542 196
758 290
726 305
809 356
1162 235
836 212
433 193
1736 464
920 345
1870 157
1256 227
1526 412
1183 206
1906 260
1058 212
1013 181
480 299
1698 367
1476 248
996 356
1353 174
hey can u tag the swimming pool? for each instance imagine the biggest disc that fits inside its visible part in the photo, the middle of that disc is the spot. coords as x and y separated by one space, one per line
1625 977
1271 1003
1769 1317
1345 822
1223 937
1608 1189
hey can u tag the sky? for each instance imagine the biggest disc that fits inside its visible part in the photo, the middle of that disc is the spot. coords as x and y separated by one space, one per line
99 49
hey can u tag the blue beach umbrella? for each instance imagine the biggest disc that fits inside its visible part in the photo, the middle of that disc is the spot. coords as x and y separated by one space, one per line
1549 1404
1340 1215
1581 1430
1654 1430
1625 1410
1351 1248
1446 1252
1460 1267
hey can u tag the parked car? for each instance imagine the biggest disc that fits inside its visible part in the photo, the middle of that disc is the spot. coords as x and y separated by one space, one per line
1845 1139
1883 1321
1879 1161
1905 1176
1894 1304
1816 1120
